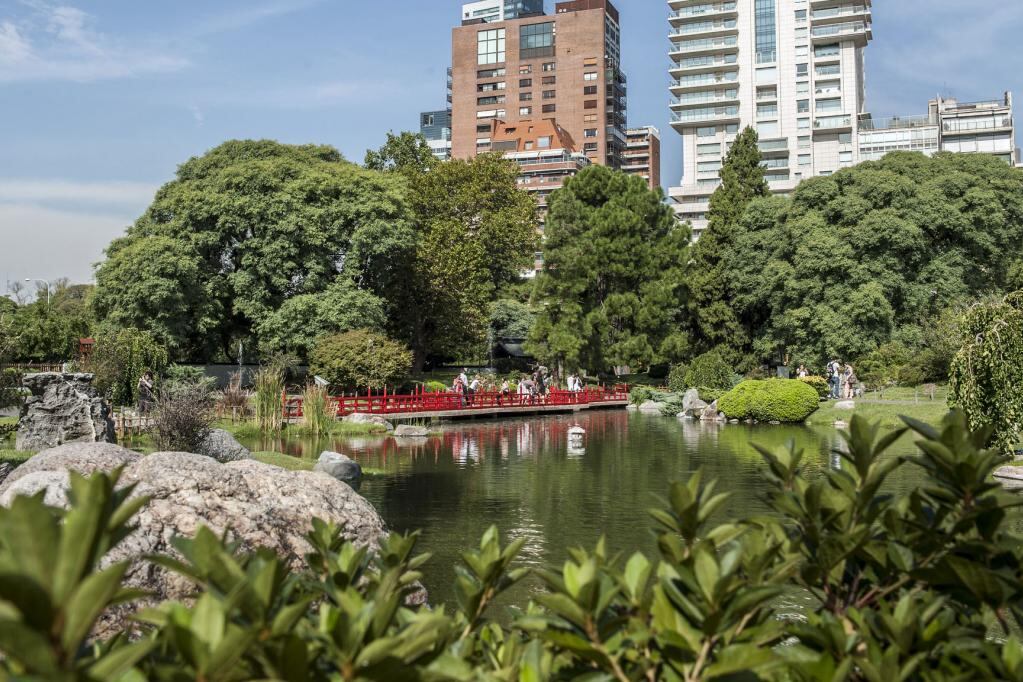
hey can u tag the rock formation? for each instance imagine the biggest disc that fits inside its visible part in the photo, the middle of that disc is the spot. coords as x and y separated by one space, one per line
339 466
222 446
63 408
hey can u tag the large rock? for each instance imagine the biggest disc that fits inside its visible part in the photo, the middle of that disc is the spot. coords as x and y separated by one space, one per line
410 431
339 466
691 399
259 505
845 405
710 413
62 408
359 418
84 458
651 407
222 446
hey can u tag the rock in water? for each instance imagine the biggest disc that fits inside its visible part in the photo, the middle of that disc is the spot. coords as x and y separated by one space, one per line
358 418
222 446
259 505
409 431
339 466
690 400
845 405
651 407
63 408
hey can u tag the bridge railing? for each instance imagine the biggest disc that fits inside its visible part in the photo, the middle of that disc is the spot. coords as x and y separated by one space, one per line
449 401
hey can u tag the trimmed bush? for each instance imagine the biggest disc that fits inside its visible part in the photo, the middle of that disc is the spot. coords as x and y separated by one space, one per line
677 379
435 386
781 400
710 370
360 359
819 384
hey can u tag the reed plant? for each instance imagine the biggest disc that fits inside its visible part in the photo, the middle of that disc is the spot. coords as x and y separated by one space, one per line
317 410
269 386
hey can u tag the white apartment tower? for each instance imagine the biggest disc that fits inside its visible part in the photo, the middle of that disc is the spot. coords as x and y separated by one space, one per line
791 69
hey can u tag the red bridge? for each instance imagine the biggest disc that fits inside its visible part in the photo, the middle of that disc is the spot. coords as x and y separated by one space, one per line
454 405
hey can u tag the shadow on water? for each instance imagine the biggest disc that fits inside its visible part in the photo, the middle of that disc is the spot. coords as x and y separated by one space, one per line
524 476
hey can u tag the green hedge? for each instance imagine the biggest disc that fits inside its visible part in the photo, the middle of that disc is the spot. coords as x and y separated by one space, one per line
819 384
781 400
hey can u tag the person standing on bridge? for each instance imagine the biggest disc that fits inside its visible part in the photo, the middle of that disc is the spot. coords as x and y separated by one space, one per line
474 387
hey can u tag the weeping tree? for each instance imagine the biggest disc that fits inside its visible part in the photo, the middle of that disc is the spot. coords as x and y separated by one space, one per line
984 379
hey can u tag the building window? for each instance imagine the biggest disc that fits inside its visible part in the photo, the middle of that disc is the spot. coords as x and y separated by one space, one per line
525 96
802 50
483 129
805 159
802 88
829 105
845 157
590 90
802 33
550 94
800 16
845 138
827 50
549 80
767 129
804 142
525 111
543 142
483 101
766 21
590 104
550 66
767 110
490 87
803 106
490 73
590 118
802 70
525 82
490 46
427 119
732 129
803 123
590 147
709 131
709 149
591 76
590 132
549 108
536 40
708 166
525 68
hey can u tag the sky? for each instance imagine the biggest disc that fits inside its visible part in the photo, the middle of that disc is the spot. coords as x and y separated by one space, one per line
101 100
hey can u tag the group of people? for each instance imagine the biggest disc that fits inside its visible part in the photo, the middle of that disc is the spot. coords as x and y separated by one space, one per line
842 379
530 387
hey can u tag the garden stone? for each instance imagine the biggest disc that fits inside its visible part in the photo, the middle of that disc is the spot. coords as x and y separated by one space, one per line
339 466
223 447
359 418
62 408
256 504
691 399
410 431
845 405
632 408
83 458
710 412
650 407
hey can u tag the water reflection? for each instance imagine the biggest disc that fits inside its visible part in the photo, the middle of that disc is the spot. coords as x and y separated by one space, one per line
533 481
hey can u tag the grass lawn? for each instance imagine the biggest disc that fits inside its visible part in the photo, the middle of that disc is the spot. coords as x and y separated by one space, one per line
249 430
14 456
888 414
283 461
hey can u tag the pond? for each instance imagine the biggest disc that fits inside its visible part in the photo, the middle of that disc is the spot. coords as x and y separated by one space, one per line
521 475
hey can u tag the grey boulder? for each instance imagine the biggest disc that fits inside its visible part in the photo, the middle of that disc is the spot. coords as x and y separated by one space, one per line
62 408
339 466
359 418
650 407
83 458
845 405
257 505
409 431
223 447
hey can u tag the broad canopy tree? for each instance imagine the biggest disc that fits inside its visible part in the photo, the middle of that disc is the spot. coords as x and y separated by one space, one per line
244 229
611 291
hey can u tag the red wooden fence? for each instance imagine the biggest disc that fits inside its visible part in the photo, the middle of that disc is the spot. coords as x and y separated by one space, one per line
420 402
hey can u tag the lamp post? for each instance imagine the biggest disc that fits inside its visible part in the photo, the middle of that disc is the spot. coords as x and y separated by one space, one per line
29 279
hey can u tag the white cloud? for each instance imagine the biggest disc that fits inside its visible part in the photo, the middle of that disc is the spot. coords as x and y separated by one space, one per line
134 195
57 42
53 243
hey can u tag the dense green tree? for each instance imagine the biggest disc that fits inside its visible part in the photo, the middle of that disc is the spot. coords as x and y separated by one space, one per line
122 355
475 232
360 359
406 152
245 228
511 319
714 322
610 293
871 254
48 329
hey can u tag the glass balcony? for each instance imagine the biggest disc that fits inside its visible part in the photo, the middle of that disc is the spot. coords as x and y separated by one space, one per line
709 114
709 9
703 80
851 29
833 123
827 14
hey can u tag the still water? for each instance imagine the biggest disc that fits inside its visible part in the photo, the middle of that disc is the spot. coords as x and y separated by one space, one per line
524 476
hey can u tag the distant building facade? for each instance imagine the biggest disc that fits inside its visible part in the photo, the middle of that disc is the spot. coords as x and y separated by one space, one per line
642 155
564 67
950 126
500 10
435 126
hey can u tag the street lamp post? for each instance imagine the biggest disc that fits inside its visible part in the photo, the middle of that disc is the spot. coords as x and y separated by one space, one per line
30 279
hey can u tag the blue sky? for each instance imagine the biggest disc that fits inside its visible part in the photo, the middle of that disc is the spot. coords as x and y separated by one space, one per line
101 100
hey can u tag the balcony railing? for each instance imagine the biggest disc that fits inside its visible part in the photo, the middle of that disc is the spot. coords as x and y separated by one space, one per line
705 98
829 30
705 27
841 11
709 114
832 122
708 79
699 10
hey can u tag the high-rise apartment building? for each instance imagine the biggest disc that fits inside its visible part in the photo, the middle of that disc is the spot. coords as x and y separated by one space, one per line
642 155
435 126
500 10
563 67
791 69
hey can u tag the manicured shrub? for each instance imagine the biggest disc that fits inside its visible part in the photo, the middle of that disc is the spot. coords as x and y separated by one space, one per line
781 400
360 359
709 370
435 386
819 384
677 378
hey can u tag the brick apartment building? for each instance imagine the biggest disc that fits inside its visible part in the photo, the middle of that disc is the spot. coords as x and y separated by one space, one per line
563 67
642 156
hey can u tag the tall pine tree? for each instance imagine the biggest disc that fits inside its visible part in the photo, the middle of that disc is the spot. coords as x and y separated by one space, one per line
715 324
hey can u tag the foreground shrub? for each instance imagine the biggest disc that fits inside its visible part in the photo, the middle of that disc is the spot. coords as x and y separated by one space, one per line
819 384
120 357
925 585
360 359
770 400
184 416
